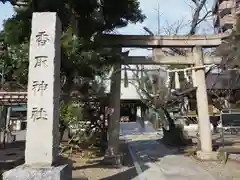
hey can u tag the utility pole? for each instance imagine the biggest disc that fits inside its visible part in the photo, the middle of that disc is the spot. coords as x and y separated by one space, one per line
158 22
158 14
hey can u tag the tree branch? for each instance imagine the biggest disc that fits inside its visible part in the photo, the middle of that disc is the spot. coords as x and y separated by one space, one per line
195 20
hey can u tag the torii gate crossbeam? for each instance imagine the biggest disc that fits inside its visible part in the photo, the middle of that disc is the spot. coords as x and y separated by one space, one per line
144 41
185 60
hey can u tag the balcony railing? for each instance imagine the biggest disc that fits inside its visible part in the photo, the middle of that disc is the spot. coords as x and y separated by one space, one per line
226 5
228 19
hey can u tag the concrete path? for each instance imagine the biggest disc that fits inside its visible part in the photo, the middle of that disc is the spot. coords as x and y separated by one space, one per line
155 161
135 128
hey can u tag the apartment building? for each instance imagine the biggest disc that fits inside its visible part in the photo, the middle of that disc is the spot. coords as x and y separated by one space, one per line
224 13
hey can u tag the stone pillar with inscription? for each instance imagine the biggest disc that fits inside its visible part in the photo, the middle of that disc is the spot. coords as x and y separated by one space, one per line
42 137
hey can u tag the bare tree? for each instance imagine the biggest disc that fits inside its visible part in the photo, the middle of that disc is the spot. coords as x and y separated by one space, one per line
196 20
152 86
229 50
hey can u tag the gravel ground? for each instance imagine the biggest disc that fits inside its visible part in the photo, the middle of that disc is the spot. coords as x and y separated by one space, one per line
96 171
229 171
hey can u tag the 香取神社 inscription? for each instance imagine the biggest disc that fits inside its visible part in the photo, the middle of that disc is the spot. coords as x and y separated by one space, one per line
42 38
39 86
39 114
40 61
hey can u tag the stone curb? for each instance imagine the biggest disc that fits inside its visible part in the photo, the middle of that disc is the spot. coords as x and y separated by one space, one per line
141 175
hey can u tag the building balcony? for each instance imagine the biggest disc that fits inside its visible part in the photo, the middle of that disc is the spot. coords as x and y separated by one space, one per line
226 5
227 21
225 8
238 7
222 4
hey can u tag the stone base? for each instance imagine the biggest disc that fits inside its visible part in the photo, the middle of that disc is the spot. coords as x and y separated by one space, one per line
23 172
112 159
208 156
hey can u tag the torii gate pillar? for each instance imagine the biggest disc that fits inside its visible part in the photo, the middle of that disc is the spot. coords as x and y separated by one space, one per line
206 152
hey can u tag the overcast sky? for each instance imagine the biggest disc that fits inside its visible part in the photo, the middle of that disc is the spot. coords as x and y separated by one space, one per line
172 12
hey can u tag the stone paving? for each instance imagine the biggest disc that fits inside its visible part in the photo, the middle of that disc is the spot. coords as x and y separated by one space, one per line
155 161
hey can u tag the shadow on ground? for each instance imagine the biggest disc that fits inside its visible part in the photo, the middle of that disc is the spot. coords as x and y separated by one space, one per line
12 155
148 150
128 175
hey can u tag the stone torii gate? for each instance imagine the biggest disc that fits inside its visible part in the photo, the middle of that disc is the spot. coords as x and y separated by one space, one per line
196 57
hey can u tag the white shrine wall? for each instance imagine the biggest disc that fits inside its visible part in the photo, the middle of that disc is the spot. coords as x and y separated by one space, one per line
130 92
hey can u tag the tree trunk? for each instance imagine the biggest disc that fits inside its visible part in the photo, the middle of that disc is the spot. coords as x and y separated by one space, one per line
175 135
112 155
61 131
